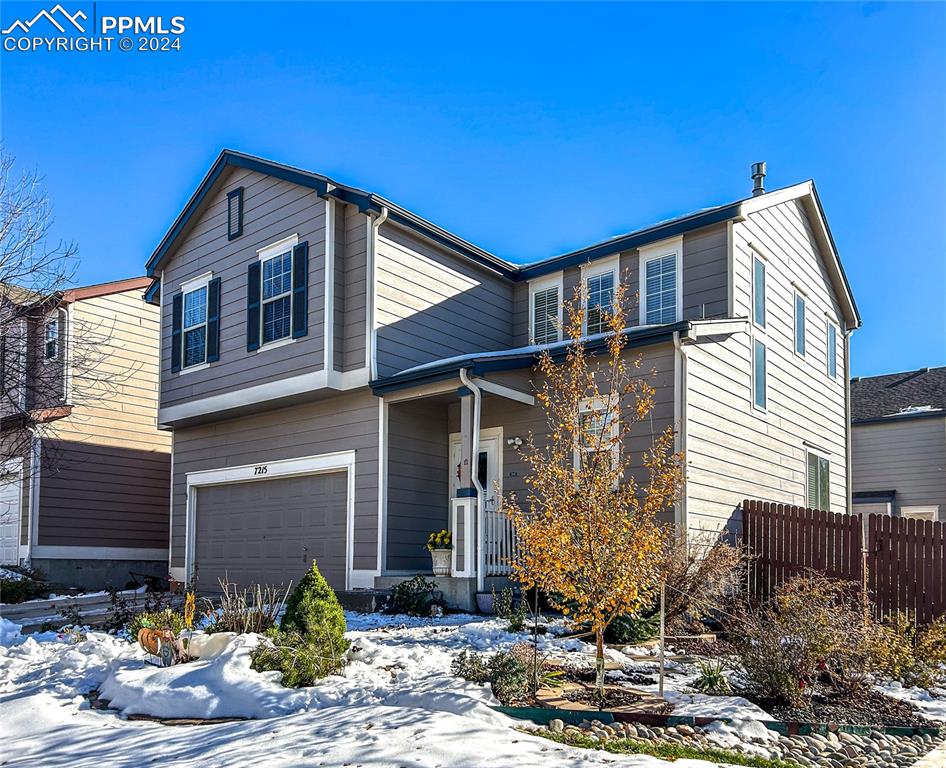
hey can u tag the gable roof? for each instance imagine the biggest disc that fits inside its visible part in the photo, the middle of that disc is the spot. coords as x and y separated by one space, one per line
895 396
370 202
105 289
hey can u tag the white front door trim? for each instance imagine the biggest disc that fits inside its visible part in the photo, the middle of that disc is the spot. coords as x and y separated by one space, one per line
271 470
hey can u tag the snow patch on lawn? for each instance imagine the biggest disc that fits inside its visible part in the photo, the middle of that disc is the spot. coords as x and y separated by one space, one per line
931 703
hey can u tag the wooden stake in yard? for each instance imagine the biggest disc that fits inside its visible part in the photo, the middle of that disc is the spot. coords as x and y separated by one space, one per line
660 686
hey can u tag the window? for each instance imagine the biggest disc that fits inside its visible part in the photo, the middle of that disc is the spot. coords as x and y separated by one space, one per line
818 482
600 290
52 340
758 292
832 350
597 431
661 293
277 297
759 396
799 325
235 213
930 512
195 326
546 312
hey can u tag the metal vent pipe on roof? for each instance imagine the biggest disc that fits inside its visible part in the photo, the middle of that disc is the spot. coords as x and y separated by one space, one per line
758 179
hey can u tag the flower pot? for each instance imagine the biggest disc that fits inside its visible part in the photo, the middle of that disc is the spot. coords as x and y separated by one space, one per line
441 561
485 603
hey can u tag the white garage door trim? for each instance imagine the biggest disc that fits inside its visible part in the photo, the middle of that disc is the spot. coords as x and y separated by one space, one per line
15 467
271 470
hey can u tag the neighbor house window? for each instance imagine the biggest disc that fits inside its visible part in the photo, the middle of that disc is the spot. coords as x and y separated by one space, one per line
818 481
277 297
51 340
195 326
832 350
600 292
597 432
758 292
661 290
930 512
799 325
759 375
546 317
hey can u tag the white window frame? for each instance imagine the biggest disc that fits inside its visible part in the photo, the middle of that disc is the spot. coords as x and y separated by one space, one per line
588 405
921 512
611 264
264 254
647 253
752 378
796 295
189 286
829 348
51 320
543 284
809 451
760 258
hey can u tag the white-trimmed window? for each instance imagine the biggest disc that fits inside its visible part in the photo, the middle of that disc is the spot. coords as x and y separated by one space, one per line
758 291
832 356
600 280
597 432
51 340
921 512
759 375
194 325
661 279
276 290
545 310
817 480
800 312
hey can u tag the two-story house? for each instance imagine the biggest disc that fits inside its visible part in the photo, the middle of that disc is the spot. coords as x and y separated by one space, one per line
85 471
342 376
898 438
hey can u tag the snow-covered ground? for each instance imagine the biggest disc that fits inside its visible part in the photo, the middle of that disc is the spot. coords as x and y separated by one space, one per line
396 705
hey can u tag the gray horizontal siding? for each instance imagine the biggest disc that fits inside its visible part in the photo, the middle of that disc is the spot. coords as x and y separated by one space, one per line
431 304
908 457
102 496
355 227
273 209
348 422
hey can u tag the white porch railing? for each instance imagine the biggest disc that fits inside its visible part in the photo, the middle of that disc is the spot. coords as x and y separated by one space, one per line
500 544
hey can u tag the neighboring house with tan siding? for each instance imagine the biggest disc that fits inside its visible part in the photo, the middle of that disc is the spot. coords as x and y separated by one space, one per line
898 428
91 503
343 377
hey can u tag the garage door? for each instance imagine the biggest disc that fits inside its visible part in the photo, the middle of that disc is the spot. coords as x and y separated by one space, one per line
270 531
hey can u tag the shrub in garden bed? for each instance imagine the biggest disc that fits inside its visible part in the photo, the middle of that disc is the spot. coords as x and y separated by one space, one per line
414 597
506 674
244 610
22 584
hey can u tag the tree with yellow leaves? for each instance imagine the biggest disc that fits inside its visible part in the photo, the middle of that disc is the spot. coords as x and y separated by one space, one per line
587 532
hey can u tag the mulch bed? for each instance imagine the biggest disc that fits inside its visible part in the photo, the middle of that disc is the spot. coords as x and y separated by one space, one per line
870 708
613 697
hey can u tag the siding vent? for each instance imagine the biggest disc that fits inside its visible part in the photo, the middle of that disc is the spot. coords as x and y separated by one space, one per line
235 213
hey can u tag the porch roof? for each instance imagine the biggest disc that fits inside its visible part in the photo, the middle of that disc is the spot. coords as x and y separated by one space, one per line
479 363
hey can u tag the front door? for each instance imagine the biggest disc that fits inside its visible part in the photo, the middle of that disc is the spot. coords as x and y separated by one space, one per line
10 488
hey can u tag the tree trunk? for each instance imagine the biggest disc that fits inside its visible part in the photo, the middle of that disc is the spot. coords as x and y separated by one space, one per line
599 665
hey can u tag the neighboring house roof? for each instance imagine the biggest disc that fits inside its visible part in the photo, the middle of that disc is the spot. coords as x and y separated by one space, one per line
105 289
368 201
895 396
479 363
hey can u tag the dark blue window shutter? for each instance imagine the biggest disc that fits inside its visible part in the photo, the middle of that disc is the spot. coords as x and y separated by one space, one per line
177 325
213 320
300 290
253 287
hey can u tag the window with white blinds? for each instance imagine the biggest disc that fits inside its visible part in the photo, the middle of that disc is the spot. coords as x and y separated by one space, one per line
818 482
660 288
545 315
600 290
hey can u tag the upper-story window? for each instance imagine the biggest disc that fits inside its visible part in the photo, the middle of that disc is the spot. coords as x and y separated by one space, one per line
661 276
235 213
600 280
832 350
545 310
51 344
758 291
277 294
799 324
195 326
277 297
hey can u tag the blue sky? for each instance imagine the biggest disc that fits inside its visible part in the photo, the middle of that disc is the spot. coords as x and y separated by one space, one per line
528 129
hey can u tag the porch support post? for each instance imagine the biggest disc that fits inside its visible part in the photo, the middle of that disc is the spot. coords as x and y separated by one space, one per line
463 507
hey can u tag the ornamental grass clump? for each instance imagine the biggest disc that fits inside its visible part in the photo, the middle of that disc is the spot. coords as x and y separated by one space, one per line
588 532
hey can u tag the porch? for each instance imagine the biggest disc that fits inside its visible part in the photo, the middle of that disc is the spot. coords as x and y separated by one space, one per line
449 453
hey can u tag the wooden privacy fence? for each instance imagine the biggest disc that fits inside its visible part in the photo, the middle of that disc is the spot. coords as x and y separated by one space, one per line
900 561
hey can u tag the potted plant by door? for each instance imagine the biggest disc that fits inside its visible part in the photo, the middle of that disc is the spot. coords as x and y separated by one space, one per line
439 545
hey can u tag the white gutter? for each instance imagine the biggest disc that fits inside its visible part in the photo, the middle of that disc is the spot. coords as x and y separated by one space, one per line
33 508
373 293
474 476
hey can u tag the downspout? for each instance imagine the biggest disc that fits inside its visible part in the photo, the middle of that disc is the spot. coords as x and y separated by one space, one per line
474 476
373 257
33 507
